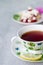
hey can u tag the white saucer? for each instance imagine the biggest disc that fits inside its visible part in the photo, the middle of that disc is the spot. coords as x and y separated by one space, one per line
18 49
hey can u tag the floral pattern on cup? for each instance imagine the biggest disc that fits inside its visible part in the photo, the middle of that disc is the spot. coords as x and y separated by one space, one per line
32 46
39 43
19 53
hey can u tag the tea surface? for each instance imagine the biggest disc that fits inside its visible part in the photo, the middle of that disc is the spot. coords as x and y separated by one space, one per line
33 36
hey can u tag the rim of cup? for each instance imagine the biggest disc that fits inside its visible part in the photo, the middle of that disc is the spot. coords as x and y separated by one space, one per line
31 30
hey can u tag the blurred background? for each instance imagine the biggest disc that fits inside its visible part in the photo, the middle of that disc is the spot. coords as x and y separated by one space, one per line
8 28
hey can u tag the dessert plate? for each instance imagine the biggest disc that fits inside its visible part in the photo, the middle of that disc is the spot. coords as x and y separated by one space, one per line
17 18
38 22
20 51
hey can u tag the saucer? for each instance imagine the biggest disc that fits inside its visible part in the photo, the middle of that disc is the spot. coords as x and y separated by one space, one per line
20 51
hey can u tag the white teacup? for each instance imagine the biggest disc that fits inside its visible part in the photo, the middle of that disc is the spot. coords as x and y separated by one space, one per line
33 47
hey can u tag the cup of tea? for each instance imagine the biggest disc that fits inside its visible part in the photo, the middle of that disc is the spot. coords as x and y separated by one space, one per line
31 37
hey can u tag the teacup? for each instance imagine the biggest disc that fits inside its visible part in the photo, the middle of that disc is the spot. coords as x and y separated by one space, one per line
34 47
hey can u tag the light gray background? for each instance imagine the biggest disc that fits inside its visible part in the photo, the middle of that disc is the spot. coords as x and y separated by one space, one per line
8 28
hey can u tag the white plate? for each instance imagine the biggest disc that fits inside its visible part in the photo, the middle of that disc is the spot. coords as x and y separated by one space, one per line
39 21
16 46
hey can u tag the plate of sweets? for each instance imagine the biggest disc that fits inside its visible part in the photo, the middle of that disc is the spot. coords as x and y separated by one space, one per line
29 16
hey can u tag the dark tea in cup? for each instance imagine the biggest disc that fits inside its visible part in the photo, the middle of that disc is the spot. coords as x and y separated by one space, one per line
33 36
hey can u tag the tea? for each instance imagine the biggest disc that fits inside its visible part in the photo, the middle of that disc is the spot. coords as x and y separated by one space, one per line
33 36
